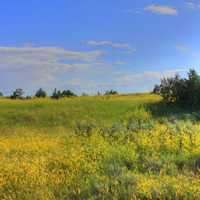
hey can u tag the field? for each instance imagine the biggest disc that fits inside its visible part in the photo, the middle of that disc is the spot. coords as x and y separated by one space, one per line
103 147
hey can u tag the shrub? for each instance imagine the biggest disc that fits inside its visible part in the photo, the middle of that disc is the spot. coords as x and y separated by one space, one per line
84 128
134 125
115 130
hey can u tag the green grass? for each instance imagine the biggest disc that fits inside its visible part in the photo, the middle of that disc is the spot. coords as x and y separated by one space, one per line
106 147
50 113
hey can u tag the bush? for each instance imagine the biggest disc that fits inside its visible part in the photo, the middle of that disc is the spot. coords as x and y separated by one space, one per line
84 128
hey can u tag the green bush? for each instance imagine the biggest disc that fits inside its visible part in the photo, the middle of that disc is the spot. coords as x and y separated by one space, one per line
84 128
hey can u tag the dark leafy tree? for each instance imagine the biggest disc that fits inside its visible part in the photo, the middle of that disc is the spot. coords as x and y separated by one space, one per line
56 94
67 93
84 94
17 94
41 93
156 89
181 91
98 93
1 94
111 92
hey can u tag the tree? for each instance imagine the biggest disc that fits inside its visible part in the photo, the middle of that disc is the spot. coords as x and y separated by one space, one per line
56 94
1 94
156 89
193 85
182 91
111 92
17 94
67 93
40 93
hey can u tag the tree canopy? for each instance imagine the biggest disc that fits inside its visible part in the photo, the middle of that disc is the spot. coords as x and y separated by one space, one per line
182 91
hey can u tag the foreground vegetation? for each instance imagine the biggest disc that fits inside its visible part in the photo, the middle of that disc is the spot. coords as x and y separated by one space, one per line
103 147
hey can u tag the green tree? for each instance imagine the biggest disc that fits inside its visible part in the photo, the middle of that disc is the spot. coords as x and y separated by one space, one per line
56 94
111 92
17 94
68 93
182 91
41 93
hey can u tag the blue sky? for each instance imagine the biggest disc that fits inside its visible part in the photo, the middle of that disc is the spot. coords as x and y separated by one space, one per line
91 46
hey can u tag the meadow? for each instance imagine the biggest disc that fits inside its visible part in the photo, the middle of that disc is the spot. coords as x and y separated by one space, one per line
102 147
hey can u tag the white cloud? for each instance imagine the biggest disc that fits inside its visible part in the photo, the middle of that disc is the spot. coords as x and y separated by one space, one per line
192 5
42 64
122 80
188 51
123 46
44 57
119 62
162 10
131 77
182 48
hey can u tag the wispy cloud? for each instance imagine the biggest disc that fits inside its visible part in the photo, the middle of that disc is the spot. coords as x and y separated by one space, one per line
119 62
127 78
162 9
124 46
49 57
41 64
192 5
121 80
132 11
182 48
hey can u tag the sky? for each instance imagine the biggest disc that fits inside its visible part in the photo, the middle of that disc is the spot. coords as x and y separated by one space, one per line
96 45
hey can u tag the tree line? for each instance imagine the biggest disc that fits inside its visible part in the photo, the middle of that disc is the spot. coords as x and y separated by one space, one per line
57 94
181 91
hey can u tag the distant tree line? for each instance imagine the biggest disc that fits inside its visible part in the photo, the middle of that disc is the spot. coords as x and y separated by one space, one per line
57 94
180 91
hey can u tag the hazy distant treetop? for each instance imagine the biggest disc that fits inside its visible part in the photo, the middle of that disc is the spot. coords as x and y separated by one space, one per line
17 94
111 92
40 93
67 93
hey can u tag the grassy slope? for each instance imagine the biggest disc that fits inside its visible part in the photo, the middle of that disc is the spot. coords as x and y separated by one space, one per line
42 157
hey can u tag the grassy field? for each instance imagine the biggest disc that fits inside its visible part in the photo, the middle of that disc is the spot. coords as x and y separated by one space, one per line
106 147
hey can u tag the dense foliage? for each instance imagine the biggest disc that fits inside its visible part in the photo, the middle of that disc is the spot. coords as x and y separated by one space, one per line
57 94
181 91
111 92
103 147
41 93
